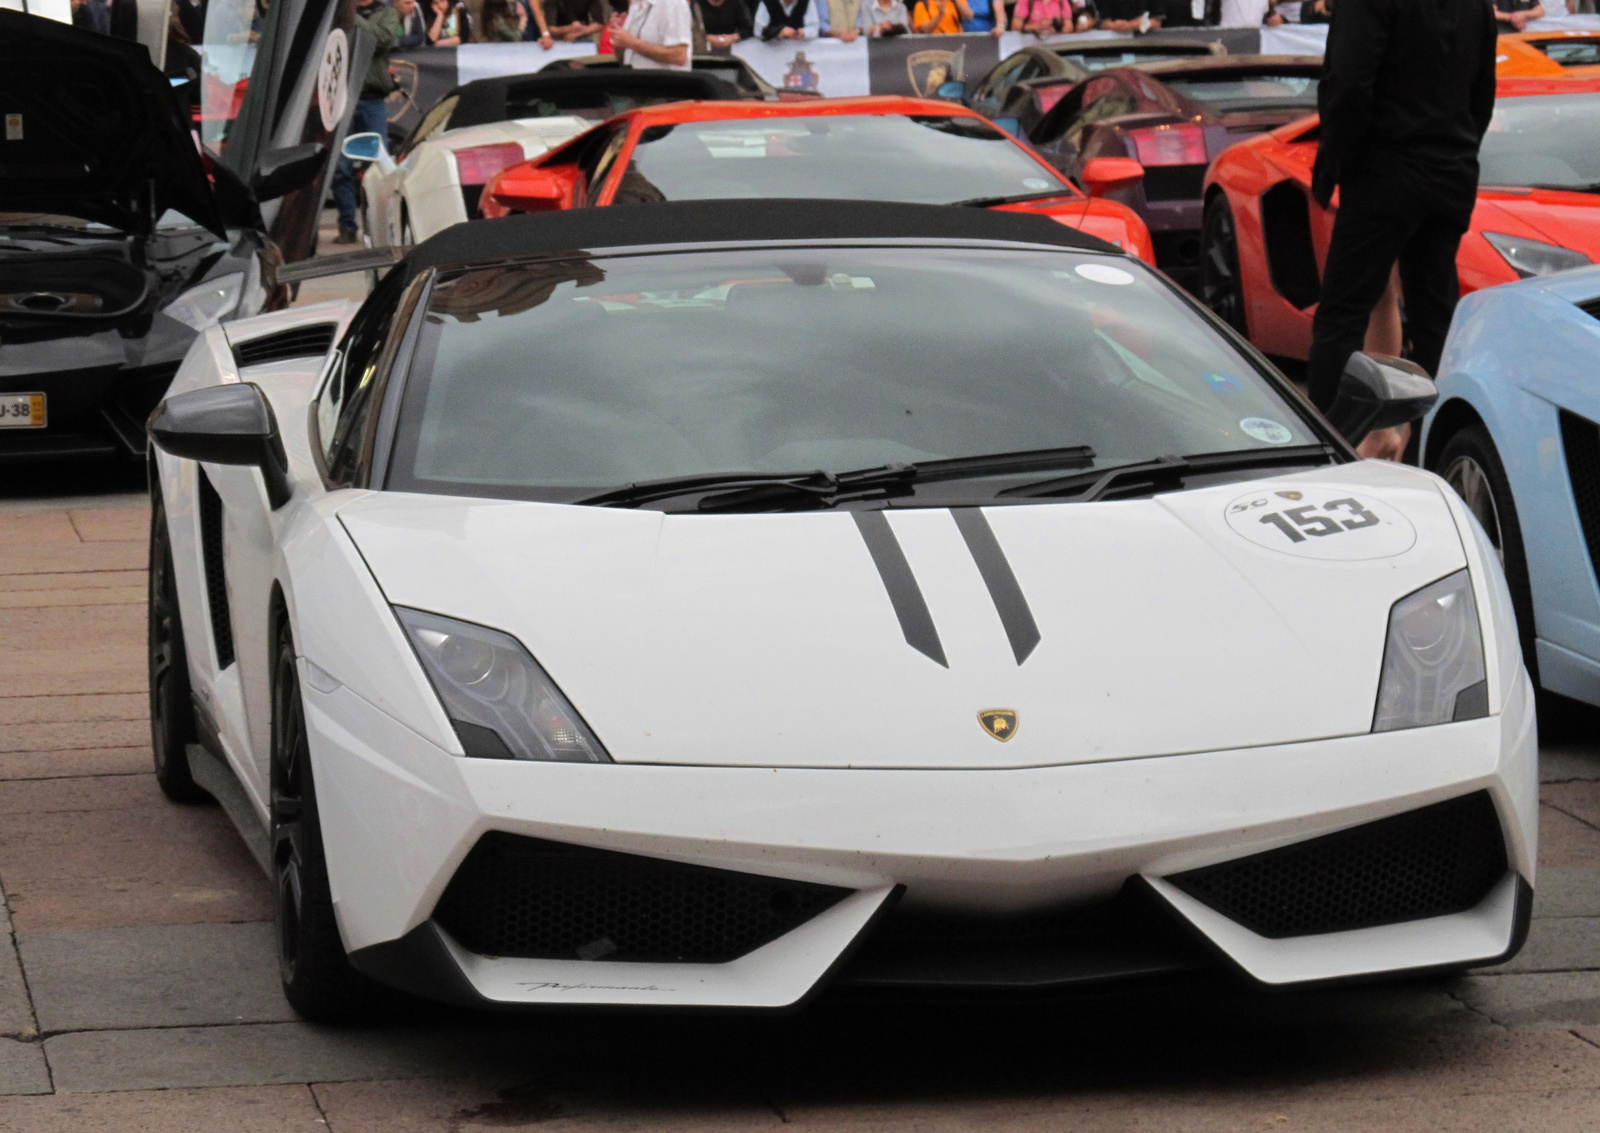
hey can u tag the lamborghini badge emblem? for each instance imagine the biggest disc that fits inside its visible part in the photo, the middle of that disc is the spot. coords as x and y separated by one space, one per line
1001 723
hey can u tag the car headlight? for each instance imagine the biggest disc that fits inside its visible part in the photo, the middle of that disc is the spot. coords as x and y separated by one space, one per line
500 702
1433 659
210 302
1533 257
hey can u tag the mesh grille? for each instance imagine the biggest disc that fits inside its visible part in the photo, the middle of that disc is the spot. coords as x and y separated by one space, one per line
526 897
1580 440
216 580
1425 863
298 342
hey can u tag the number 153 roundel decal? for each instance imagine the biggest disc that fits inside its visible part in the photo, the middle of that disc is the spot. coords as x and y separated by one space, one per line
1315 521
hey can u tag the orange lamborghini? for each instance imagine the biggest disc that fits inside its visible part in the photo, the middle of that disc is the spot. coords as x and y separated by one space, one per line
1548 55
873 149
1264 240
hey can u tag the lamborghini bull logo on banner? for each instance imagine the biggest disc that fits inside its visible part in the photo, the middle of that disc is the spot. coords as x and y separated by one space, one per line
928 69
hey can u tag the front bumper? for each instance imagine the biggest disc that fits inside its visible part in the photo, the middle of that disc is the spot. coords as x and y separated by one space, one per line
400 816
99 389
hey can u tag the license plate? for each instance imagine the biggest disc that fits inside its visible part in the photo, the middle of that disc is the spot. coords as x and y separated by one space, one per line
21 410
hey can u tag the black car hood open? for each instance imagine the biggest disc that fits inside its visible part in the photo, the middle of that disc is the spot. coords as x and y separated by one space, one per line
92 130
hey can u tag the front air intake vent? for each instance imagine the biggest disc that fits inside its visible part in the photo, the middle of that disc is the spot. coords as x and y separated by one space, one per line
1431 862
1580 441
1590 307
216 579
526 897
297 342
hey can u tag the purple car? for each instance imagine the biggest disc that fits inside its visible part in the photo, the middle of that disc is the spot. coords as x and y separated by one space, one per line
1173 118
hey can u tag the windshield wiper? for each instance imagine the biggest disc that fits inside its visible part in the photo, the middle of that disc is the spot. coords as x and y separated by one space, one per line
740 490
1014 199
1151 475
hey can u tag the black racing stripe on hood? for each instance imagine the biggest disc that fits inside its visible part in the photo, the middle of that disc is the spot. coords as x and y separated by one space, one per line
1009 601
904 593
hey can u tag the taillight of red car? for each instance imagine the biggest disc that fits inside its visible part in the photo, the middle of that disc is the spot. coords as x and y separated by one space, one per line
1178 144
476 164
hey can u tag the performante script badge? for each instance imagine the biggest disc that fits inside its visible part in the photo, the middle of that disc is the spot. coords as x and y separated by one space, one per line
1001 723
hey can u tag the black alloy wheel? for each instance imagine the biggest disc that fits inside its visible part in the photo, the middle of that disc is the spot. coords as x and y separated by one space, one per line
318 981
1471 465
1221 288
172 725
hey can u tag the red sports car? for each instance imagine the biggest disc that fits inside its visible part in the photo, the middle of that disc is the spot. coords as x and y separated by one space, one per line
1265 240
874 149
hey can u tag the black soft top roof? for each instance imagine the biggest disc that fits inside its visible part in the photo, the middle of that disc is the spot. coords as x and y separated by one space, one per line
744 220
484 100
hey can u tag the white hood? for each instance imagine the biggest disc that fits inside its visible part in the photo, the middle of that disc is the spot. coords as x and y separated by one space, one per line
771 640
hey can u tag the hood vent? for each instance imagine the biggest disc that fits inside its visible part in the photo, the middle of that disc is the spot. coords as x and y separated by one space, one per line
1591 307
298 342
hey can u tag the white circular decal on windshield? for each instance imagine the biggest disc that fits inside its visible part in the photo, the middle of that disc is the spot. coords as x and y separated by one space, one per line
1105 273
1320 521
333 80
1266 431
1035 183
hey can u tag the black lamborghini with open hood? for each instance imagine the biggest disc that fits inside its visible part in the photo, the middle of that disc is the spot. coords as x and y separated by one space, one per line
119 241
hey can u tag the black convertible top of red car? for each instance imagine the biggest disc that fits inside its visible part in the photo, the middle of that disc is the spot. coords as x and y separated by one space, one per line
746 220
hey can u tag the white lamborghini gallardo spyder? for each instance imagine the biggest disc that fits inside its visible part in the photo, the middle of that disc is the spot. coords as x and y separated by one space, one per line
710 604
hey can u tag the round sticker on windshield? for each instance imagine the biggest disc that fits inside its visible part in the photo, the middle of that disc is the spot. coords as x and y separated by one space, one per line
1105 273
1321 521
1266 431
1035 183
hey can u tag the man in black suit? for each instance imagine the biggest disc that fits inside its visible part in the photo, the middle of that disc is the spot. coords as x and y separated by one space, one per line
1406 95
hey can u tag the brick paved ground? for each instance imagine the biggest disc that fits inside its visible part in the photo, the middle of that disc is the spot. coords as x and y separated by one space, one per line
138 988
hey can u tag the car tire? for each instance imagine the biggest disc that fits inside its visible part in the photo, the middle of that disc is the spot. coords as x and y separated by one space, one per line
1221 288
172 721
1471 465
318 979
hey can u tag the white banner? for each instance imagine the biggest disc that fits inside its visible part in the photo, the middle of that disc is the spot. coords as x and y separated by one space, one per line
829 66
491 60
1294 39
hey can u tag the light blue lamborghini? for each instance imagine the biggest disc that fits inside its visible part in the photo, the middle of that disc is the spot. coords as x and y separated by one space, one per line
1516 431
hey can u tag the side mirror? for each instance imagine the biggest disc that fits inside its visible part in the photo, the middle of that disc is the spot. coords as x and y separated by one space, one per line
284 170
364 147
1377 391
231 424
952 90
1012 126
1102 175
534 188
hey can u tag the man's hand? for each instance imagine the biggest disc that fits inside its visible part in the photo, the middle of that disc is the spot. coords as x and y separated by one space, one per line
791 33
1385 444
546 40
848 35
622 41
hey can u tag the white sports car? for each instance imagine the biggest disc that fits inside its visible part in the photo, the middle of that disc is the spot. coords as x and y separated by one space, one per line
780 595
473 132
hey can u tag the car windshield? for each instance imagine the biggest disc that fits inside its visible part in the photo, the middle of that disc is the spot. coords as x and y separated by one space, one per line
559 379
924 159
1550 140
1572 52
590 103
1101 60
1247 92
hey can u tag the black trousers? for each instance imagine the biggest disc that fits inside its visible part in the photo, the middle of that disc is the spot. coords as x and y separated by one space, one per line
1376 226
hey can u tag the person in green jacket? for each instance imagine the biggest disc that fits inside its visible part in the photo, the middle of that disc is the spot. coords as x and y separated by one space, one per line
385 27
